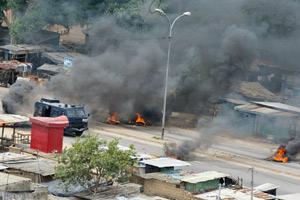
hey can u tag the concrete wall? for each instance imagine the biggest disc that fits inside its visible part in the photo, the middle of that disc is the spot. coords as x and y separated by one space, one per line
40 192
163 189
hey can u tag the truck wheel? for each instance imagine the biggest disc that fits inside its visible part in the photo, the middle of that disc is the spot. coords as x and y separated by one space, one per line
78 133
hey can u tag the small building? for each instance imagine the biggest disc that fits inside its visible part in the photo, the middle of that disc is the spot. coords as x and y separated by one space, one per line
268 188
162 164
181 185
203 181
270 122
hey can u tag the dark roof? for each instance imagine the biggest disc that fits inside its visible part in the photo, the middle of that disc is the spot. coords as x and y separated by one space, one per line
255 91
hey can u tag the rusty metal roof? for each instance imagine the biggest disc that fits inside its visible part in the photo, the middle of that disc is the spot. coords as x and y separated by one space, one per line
261 110
12 119
7 66
279 106
204 176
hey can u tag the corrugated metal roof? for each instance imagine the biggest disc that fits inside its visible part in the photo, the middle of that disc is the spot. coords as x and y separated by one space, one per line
9 156
204 176
46 168
11 119
54 69
58 57
238 194
21 48
165 162
279 106
261 110
266 187
295 196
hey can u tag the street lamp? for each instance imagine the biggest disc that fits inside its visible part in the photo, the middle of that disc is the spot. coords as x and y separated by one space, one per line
168 61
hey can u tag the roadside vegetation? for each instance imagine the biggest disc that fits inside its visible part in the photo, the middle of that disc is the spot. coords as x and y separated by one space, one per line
92 162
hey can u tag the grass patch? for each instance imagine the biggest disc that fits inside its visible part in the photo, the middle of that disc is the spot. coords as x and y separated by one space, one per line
157 138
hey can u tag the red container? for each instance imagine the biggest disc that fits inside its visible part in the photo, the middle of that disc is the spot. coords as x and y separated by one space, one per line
47 133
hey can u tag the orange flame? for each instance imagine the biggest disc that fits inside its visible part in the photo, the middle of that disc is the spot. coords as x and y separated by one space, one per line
170 156
112 119
280 156
140 120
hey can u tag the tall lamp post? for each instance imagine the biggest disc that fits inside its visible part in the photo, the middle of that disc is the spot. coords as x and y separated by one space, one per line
168 61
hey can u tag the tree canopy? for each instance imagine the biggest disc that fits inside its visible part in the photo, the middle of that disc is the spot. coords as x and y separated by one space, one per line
88 165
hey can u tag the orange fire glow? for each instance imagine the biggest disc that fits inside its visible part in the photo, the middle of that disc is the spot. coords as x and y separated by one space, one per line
170 156
112 119
139 120
280 156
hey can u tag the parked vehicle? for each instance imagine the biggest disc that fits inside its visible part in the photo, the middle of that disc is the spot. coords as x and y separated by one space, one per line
78 119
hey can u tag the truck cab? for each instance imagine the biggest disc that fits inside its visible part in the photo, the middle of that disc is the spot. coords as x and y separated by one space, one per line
78 119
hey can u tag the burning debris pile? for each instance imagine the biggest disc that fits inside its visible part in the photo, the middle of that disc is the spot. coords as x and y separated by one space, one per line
286 152
112 119
138 120
280 155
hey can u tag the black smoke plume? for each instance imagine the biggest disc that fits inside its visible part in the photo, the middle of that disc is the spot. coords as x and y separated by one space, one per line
20 98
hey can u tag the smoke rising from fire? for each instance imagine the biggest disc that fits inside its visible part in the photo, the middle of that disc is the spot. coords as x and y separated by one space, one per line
21 97
211 50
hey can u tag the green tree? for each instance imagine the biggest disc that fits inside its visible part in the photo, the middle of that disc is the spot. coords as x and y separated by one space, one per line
87 164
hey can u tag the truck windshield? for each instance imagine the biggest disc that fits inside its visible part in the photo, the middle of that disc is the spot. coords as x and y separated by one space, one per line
75 113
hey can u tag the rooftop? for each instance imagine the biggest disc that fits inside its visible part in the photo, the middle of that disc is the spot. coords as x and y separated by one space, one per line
174 178
46 167
11 119
165 162
58 57
204 176
279 106
254 90
25 48
235 194
52 69
261 110
266 187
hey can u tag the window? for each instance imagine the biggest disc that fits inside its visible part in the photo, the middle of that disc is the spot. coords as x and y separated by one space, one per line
54 113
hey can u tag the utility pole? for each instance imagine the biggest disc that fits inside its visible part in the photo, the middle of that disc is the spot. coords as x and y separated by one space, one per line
252 171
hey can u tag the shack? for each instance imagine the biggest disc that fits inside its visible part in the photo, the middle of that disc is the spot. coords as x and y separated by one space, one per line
203 181
271 123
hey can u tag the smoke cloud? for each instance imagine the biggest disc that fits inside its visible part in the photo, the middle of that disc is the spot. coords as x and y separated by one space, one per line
211 51
21 97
